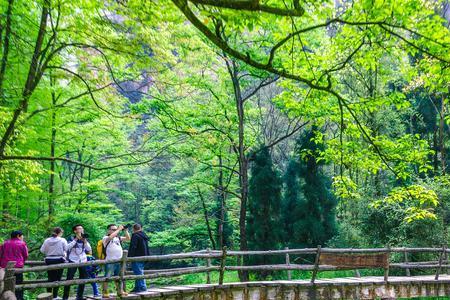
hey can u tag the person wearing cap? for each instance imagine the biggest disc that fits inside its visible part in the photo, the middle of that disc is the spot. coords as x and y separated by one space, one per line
14 249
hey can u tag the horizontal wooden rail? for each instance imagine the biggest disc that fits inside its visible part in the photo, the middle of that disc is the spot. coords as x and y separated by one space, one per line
114 278
271 252
280 268
65 266
332 250
174 256
65 283
35 263
153 271
149 258
418 266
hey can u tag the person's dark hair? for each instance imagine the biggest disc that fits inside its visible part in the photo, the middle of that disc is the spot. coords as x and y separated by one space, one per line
137 227
56 231
75 227
16 234
110 225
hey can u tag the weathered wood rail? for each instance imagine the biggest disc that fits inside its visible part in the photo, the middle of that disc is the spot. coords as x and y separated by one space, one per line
326 259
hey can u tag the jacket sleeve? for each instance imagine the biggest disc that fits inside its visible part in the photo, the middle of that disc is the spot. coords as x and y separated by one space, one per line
146 246
25 251
133 245
88 247
44 248
65 245
71 245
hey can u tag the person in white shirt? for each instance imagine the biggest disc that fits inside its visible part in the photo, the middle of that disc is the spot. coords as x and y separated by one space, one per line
112 244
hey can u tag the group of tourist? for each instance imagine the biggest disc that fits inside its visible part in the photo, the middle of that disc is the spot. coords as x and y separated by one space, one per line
77 249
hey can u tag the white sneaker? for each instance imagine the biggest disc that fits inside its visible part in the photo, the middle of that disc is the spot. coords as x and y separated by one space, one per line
57 298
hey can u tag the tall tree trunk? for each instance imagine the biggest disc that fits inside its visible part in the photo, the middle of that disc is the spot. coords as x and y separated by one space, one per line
221 198
435 155
51 186
5 204
243 162
441 136
241 153
80 180
32 79
5 43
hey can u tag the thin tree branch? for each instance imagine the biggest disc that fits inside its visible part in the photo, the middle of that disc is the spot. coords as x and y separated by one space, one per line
75 162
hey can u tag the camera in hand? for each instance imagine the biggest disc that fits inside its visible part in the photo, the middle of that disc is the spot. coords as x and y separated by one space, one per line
84 236
127 226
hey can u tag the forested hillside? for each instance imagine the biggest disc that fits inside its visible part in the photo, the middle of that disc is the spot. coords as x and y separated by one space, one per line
251 124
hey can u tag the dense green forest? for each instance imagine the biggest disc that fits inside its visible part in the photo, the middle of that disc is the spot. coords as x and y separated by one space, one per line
255 124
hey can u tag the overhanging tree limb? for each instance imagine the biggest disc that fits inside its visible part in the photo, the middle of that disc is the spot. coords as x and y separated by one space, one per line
253 5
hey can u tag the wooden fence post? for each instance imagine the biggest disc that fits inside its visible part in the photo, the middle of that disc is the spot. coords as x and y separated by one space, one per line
208 264
406 261
288 262
9 279
356 271
316 264
386 267
441 257
222 264
123 269
2 281
446 259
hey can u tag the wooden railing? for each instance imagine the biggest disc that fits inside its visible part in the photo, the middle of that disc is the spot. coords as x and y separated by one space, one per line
346 259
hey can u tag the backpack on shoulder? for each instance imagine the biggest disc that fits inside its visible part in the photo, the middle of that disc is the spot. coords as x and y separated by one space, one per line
101 249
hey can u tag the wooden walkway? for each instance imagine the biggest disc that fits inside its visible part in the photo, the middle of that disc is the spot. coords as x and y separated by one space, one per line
371 287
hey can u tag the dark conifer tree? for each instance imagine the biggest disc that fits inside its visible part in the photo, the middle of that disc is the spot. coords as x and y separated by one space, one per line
308 206
263 222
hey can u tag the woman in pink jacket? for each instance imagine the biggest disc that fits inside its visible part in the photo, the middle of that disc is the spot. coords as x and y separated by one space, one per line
14 249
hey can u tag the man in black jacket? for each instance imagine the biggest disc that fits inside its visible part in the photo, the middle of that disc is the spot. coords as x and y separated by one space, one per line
138 247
